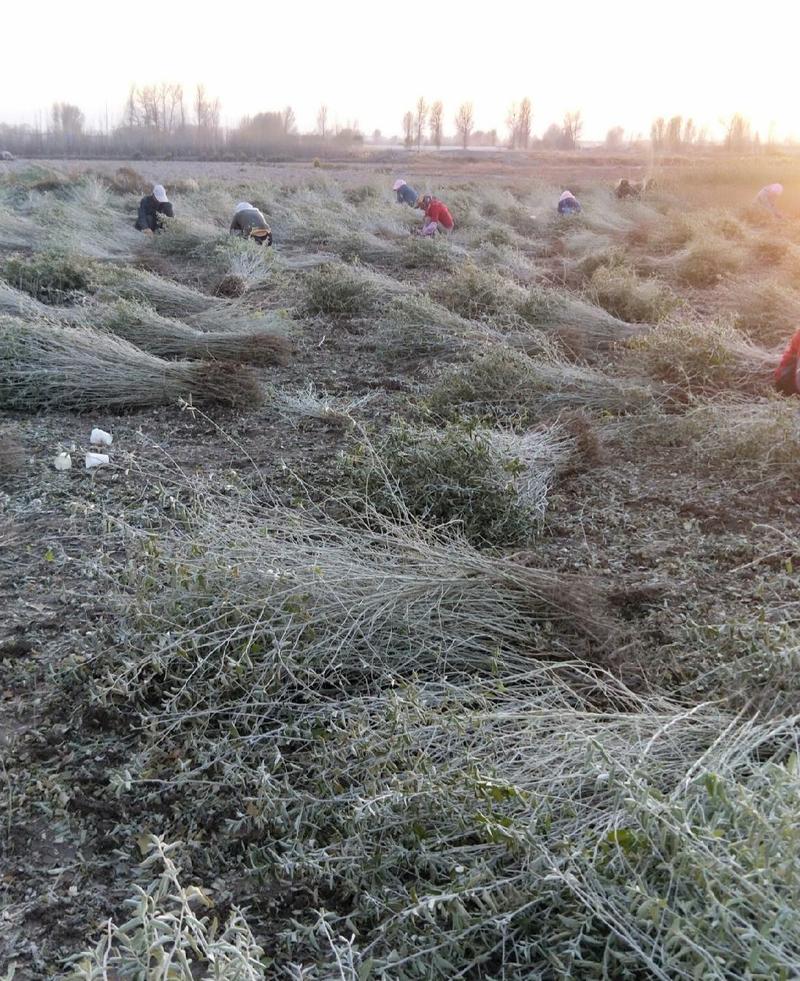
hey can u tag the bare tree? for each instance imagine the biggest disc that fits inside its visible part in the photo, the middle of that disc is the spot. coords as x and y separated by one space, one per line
689 132
322 120
436 123
465 122
512 122
524 120
674 134
67 120
131 114
408 130
737 133
658 131
289 121
614 138
200 106
206 113
571 128
420 118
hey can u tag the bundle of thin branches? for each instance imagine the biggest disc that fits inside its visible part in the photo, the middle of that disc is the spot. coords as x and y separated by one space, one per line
746 437
504 382
765 310
414 326
345 292
634 299
490 811
581 327
48 366
702 358
300 405
84 219
15 303
167 296
188 239
169 338
492 485
310 603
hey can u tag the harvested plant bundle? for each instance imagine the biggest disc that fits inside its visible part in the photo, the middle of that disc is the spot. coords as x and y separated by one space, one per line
52 277
504 383
148 330
313 604
632 298
165 295
548 794
765 310
706 261
491 485
759 438
413 326
45 366
703 357
349 292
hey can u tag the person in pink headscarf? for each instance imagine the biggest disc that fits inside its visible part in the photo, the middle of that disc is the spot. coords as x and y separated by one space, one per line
767 197
405 193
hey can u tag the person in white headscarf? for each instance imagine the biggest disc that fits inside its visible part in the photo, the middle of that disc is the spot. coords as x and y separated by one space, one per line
568 204
248 222
151 209
405 193
767 197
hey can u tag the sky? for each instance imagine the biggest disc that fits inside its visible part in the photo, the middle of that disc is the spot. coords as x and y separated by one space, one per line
621 63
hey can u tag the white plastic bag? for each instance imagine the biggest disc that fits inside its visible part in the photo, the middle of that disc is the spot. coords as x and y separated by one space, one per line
100 437
96 460
62 461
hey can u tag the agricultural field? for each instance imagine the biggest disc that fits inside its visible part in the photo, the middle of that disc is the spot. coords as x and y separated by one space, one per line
437 612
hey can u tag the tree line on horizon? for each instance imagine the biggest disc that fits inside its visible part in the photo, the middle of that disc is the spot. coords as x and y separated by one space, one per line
162 118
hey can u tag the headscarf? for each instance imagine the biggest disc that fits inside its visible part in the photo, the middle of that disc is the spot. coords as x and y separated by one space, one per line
566 196
160 194
243 206
398 184
774 189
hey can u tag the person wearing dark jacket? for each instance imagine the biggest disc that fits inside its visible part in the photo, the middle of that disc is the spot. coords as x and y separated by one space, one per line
405 193
248 222
568 204
151 208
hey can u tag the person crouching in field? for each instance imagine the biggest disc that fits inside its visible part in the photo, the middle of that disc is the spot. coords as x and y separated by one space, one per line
153 208
786 372
631 189
437 216
405 193
568 204
767 197
248 222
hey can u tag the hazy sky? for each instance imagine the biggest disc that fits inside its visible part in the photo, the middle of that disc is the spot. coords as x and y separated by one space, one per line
621 62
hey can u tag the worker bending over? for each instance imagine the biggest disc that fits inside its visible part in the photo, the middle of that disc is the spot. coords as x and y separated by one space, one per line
767 198
153 208
248 222
405 193
437 216
568 204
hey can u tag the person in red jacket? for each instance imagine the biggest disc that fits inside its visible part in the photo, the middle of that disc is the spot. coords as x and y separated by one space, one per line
786 372
437 216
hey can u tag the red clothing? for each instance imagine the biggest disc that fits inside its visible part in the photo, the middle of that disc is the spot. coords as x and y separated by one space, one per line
791 353
436 211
